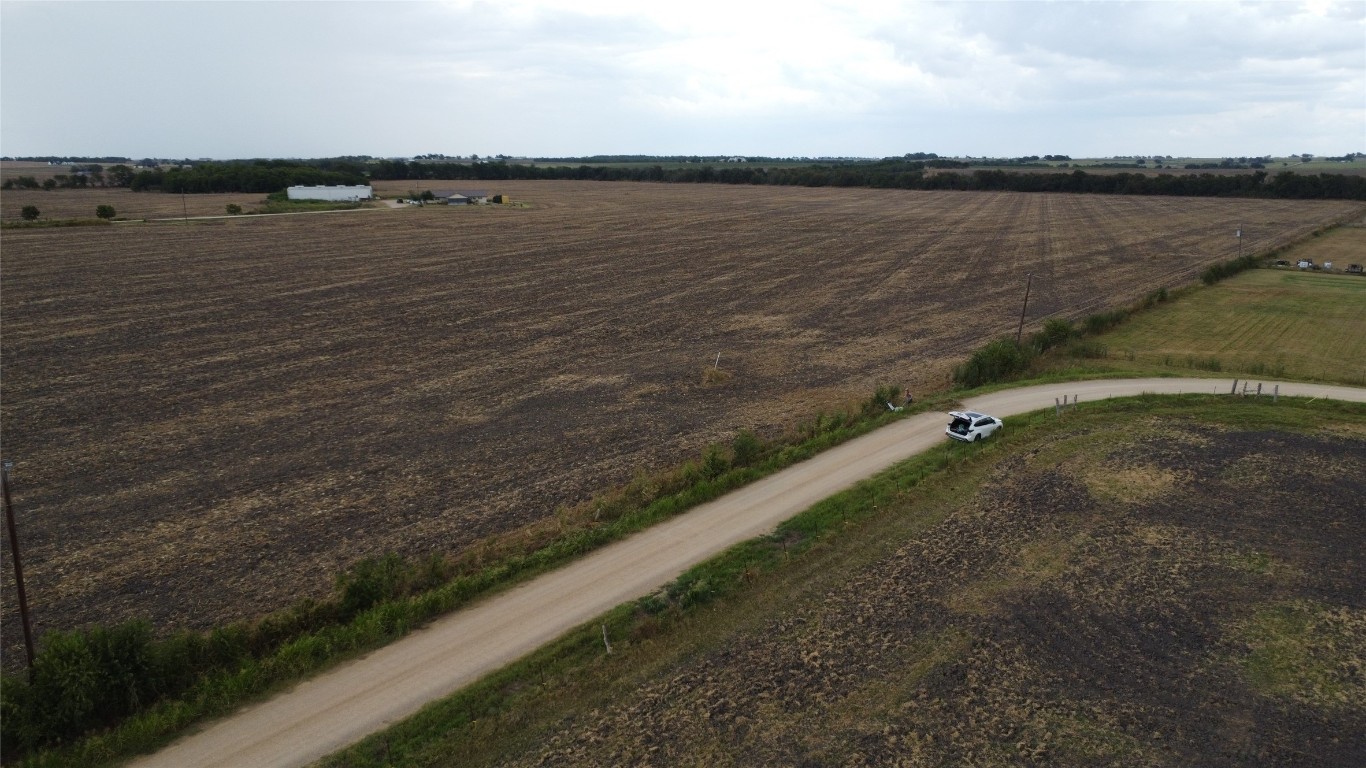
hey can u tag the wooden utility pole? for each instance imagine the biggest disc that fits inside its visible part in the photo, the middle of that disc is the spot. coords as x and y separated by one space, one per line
1020 333
18 565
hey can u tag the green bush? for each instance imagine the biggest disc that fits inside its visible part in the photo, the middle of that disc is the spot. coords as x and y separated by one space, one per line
104 211
997 361
714 462
1216 272
1103 321
746 448
370 582
1156 297
233 209
883 397
84 680
1055 331
30 213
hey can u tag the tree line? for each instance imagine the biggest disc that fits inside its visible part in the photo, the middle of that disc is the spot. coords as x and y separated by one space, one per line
264 176
900 173
924 172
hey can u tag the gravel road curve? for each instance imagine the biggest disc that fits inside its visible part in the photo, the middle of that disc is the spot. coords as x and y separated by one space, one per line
331 711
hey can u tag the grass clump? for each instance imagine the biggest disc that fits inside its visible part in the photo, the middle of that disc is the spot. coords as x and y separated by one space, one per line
1000 360
1306 651
1217 272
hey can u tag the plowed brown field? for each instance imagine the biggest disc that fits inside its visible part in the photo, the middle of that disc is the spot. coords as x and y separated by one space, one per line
209 421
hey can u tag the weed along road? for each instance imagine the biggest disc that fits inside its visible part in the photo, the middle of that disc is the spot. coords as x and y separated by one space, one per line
341 706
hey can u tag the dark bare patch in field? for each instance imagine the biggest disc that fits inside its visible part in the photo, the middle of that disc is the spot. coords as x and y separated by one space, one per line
1043 625
210 421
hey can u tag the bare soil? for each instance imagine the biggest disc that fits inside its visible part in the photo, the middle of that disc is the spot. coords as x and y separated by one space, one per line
1044 623
210 421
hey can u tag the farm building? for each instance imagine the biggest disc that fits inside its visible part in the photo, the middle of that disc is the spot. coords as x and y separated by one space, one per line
477 197
341 194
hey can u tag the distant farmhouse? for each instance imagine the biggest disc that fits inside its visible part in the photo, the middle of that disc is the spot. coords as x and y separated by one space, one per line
336 194
478 197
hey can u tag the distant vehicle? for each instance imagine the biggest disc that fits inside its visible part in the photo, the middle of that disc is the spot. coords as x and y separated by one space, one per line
1307 264
971 426
1282 263
1354 269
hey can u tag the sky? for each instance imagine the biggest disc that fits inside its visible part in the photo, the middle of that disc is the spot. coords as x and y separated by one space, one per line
782 78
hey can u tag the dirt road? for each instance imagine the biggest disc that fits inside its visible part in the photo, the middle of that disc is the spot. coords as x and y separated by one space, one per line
340 707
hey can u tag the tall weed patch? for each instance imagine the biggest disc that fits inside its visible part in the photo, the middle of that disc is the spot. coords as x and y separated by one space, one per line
998 361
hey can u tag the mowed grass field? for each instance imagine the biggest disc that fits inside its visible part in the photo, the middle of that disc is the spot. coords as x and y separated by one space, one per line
1268 323
210 421
1140 583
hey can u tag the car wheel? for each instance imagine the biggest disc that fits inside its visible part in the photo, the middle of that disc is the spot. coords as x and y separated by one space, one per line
977 438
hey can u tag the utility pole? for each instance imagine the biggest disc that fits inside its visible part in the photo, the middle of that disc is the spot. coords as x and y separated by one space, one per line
18 566
1020 333
1239 235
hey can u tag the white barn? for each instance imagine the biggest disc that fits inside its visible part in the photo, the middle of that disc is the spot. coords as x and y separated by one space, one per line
341 194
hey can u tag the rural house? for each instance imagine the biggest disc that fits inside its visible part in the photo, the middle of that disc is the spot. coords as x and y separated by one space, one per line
479 197
339 194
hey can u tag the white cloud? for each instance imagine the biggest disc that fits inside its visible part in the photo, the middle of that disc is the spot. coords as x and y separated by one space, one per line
574 77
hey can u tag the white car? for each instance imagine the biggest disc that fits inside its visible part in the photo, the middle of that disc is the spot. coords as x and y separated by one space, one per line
971 426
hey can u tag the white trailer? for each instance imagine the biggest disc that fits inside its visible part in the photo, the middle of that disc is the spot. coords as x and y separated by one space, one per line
338 194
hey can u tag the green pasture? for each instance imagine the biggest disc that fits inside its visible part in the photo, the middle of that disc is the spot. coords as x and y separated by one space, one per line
1277 323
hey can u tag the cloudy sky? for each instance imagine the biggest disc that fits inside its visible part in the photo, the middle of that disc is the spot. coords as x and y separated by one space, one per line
579 77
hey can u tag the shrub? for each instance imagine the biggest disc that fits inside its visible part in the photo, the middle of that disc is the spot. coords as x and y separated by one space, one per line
84 680
997 361
104 211
746 448
369 582
714 462
882 397
30 213
1104 321
234 209
1055 331
1216 272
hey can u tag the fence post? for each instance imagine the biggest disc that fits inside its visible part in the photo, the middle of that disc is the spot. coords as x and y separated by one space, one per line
1259 389
1234 391
1276 396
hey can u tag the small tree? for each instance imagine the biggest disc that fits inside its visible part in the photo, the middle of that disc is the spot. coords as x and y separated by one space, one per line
104 211
234 209
30 213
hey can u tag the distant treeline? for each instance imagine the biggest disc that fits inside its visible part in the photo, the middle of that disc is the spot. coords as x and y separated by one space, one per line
64 159
929 173
908 174
263 176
